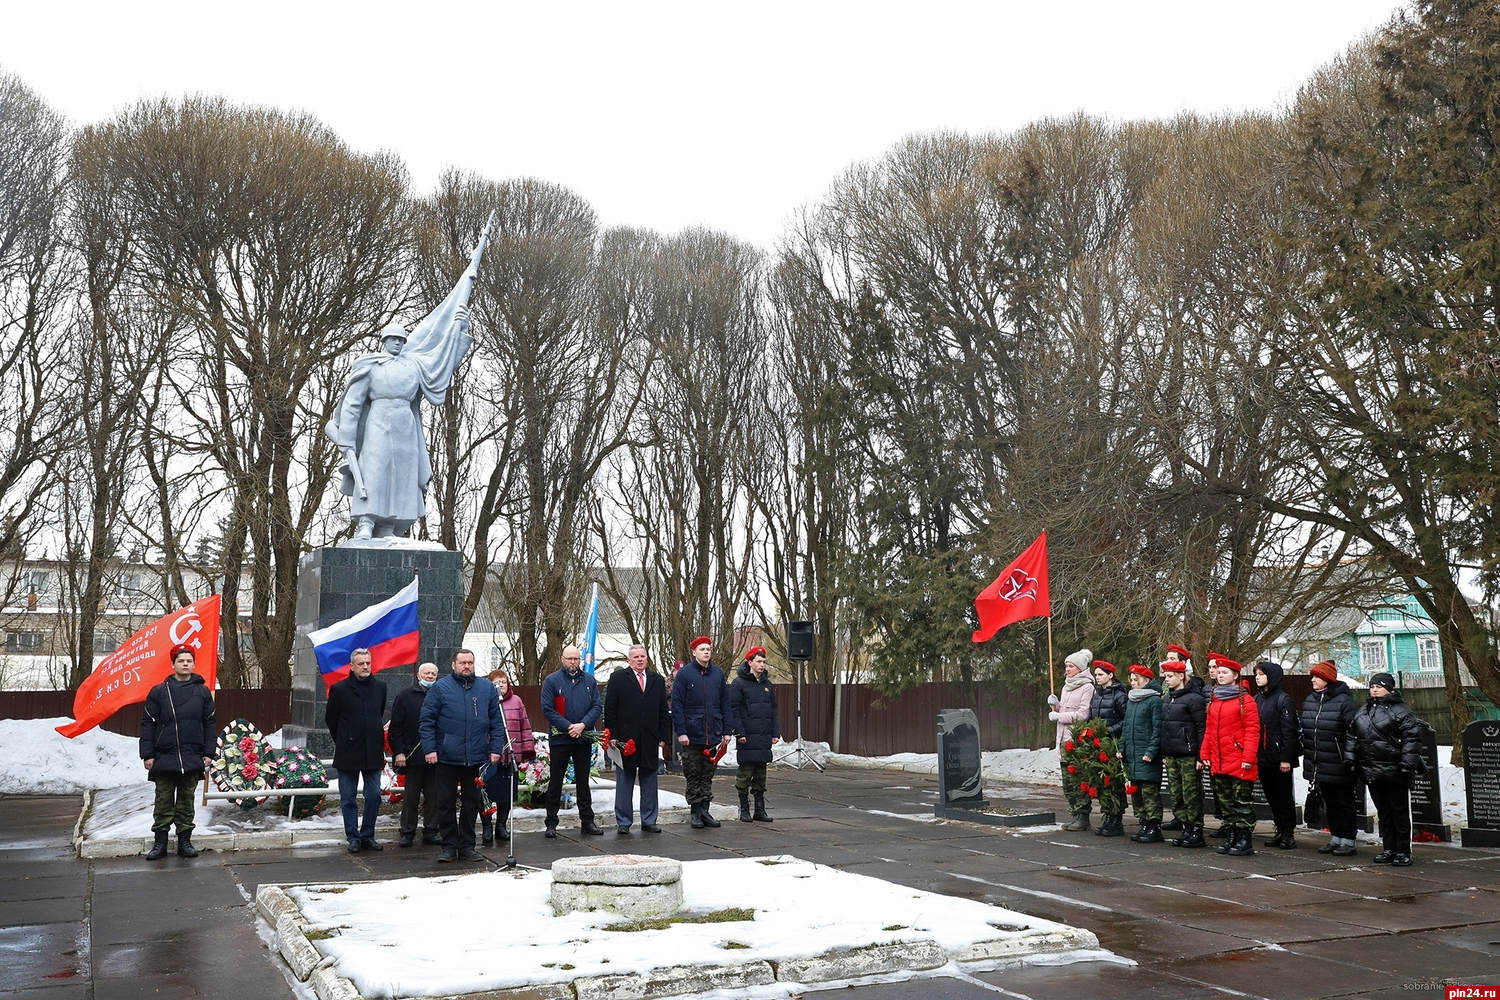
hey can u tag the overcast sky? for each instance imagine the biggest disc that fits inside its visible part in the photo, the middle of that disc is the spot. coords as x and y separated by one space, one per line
670 115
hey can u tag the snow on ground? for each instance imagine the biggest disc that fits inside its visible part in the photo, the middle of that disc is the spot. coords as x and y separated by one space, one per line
1041 767
120 813
801 910
35 759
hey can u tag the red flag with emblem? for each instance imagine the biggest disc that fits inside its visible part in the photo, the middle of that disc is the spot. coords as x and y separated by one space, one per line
127 675
1018 593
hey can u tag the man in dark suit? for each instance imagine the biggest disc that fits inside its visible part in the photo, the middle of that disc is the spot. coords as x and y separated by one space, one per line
635 711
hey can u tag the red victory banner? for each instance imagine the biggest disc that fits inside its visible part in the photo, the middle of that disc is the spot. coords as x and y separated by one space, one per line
1018 593
127 675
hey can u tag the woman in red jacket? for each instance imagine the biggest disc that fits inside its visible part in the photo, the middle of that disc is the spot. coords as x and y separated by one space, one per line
1231 744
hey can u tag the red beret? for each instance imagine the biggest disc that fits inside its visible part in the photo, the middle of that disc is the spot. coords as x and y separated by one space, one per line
1143 670
1104 665
1328 670
1220 660
1174 648
702 640
753 652
181 647
1176 666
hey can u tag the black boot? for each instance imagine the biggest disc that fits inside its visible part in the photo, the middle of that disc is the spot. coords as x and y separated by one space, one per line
1150 833
1240 845
1288 840
697 821
185 848
487 833
1221 833
761 816
1192 836
745 808
1173 826
708 817
159 848
1114 826
1230 835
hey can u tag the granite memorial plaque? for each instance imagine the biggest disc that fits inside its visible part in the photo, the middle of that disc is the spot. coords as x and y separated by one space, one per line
1427 791
1481 743
960 767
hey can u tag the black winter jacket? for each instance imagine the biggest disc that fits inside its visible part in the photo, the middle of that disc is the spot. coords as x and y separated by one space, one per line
1327 757
633 714
755 718
177 726
406 719
355 717
1182 717
1280 729
1109 704
1388 740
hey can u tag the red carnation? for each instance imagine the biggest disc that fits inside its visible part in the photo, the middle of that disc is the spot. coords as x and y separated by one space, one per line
1068 746
1088 733
1096 743
1072 769
1093 793
1104 757
1106 779
628 750
250 771
246 743
251 757
1132 789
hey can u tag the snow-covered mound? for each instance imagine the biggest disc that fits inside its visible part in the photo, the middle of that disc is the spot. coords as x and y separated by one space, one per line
35 759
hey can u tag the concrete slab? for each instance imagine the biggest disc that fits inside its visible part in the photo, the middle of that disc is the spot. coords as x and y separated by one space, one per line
37 956
1406 913
1412 959
1278 975
1085 979
43 911
72 885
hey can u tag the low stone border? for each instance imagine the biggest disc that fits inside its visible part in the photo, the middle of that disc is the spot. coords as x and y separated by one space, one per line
994 819
268 840
917 955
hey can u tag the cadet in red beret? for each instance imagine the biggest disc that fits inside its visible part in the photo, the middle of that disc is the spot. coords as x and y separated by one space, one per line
1108 705
703 720
1182 711
1140 743
757 727
1231 748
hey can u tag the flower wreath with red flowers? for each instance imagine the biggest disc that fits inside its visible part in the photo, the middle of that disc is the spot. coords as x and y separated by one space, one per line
244 763
1093 755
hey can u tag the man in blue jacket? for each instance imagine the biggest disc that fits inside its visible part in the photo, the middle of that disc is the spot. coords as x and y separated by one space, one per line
702 718
571 703
461 718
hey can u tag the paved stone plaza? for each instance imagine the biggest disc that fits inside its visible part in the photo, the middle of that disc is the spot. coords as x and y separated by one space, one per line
124 928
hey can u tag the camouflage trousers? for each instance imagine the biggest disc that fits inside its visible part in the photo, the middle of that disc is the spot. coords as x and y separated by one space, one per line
1233 797
1186 788
1078 799
751 778
174 801
1112 798
1146 802
699 772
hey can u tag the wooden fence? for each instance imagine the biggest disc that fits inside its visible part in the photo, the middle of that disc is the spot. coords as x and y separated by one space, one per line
871 724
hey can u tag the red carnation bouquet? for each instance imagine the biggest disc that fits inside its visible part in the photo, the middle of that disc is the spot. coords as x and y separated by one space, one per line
1091 754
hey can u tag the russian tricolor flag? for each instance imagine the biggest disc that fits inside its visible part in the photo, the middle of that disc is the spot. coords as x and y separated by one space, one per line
388 630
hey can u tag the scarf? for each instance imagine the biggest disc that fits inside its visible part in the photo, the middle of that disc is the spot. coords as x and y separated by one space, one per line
1076 682
1141 694
1224 692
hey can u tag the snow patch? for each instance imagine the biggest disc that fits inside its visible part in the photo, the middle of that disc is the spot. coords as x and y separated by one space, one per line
35 759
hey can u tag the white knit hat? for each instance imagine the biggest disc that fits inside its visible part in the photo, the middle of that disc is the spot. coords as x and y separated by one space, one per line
1081 659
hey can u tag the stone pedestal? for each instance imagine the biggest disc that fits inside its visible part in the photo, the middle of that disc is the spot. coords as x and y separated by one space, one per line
339 581
631 885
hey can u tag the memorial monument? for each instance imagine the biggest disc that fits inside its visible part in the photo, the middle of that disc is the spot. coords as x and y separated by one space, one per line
385 471
1481 743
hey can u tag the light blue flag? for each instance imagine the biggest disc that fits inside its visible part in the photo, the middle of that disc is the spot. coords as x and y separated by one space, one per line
591 633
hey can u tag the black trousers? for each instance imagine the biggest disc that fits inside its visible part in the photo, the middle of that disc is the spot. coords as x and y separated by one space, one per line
581 755
457 827
421 799
1393 803
1277 785
1338 799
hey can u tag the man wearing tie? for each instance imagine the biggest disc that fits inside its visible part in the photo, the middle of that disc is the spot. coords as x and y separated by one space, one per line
638 720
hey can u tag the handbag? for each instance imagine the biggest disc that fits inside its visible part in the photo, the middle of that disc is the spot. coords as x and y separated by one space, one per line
1314 812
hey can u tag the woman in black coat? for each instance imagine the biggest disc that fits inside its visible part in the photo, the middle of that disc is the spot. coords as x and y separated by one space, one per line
1327 759
1280 749
757 727
1388 754
1110 698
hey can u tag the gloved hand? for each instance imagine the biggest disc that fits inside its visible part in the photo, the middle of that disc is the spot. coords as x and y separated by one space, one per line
1053 716
1052 699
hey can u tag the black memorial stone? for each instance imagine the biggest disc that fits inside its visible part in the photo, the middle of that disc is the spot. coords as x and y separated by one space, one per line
339 581
1481 743
1427 791
960 766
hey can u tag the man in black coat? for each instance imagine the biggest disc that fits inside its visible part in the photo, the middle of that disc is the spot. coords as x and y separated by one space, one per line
757 728
635 711
409 756
179 740
354 717
1280 750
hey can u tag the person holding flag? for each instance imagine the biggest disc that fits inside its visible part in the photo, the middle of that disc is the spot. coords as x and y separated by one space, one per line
179 740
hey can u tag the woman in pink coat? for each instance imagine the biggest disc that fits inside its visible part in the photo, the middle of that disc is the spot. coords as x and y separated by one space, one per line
503 784
1073 707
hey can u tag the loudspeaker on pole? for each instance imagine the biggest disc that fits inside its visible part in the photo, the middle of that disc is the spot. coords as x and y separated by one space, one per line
799 640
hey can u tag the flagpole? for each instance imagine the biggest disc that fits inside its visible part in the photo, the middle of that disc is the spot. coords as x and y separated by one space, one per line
1051 677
